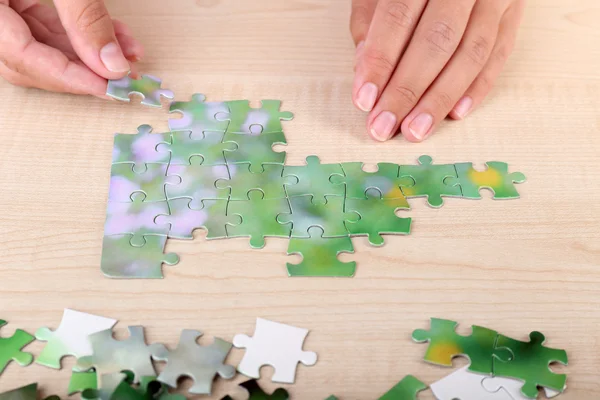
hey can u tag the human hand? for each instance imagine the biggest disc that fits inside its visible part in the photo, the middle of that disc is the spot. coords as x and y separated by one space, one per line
74 48
418 61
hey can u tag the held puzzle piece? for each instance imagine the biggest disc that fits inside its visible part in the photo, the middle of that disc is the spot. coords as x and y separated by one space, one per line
71 337
407 389
148 87
10 348
277 345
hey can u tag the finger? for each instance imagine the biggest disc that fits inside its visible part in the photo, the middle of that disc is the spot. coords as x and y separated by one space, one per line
13 77
92 35
360 19
460 72
435 40
393 23
484 82
45 67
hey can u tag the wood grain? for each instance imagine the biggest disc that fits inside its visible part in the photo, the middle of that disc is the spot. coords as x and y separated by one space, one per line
515 266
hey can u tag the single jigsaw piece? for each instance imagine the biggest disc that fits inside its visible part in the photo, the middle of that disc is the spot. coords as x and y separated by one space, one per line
257 216
407 389
270 181
530 362
82 381
277 345
71 337
186 215
377 216
10 348
149 179
428 180
495 178
198 115
255 121
197 181
315 179
385 180
207 146
148 87
320 255
122 260
201 363
254 150
28 392
141 147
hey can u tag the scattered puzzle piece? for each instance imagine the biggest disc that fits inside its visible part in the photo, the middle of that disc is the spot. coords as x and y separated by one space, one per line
427 180
207 146
530 362
71 337
10 348
148 87
197 182
122 260
149 179
270 181
495 178
465 385
319 255
254 150
385 180
512 387
377 216
445 344
201 363
198 115
315 179
255 392
210 215
141 147
256 216
407 389
245 119
82 381
277 345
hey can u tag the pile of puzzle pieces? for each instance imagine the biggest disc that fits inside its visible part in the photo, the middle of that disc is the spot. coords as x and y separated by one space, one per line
216 169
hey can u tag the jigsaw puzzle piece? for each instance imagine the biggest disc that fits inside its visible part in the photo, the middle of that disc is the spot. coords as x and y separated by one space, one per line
208 146
319 255
332 398
201 363
385 180
428 180
254 150
257 217
530 363
149 179
28 392
465 385
82 381
329 216
315 179
136 217
197 182
141 147
198 115
377 216
445 344
148 87
275 344
495 178
407 389
270 181
71 337
255 392
210 215
122 260
255 121
512 387
10 348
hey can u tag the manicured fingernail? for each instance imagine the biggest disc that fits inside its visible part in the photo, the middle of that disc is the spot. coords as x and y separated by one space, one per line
366 96
113 59
462 108
382 127
421 125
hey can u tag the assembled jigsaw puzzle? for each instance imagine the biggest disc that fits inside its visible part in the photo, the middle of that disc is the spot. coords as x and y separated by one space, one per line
216 169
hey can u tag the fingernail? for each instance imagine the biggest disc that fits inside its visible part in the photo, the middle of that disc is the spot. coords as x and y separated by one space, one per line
421 125
462 108
366 96
381 128
113 59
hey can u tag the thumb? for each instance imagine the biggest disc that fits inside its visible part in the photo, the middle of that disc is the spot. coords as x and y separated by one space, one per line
91 32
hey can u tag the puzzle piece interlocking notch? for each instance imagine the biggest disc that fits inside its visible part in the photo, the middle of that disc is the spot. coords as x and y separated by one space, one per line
201 363
315 179
148 87
495 178
198 115
407 389
385 180
244 119
275 344
10 348
255 150
530 362
71 337
513 387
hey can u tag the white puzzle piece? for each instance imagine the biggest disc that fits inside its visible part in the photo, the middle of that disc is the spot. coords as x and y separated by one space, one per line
71 337
465 385
277 345
513 387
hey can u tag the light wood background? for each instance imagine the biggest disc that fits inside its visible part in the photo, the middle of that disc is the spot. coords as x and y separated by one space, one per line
514 266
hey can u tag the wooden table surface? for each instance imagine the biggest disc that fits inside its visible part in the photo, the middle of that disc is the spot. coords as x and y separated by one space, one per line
514 266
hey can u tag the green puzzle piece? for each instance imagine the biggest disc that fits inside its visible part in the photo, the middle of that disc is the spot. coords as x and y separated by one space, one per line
254 150
10 348
149 179
377 216
141 147
198 115
385 180
245 119
269 181
530 363
495 177
427 180
256 392
207 146
315 179
81 381
445 344
258 218
147 86
407 389
319 255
